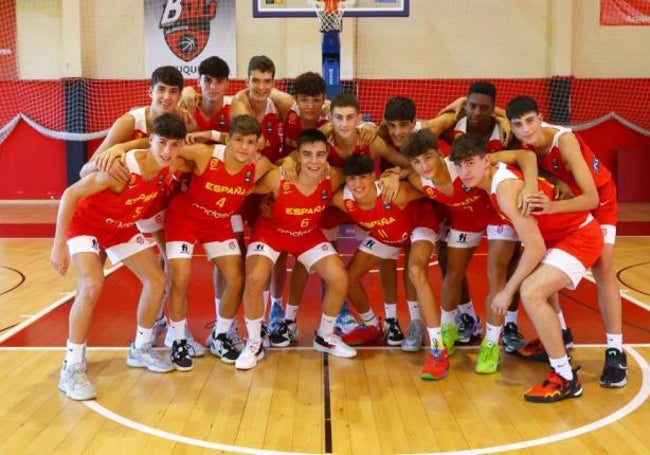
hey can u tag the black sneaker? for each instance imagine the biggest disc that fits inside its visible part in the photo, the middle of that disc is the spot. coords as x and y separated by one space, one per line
393 335
222 347
615 370
567 337
180 356
513 340
284 333
468 328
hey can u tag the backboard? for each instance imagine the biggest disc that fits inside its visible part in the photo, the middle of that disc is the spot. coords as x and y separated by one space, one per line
304 8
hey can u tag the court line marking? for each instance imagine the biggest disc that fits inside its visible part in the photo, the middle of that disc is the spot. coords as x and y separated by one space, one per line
632 405
636 402
51 307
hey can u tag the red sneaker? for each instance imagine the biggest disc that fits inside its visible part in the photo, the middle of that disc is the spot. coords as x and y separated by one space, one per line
363 334
436 364
554 388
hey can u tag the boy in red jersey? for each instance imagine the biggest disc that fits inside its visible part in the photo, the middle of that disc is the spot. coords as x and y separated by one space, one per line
563 154
293 227
221 177
408 222
469 211
560 247
99 214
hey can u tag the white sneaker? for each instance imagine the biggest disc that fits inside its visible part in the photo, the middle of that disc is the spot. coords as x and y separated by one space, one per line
253 351
196 348
414 336
333 345
148 358
74 382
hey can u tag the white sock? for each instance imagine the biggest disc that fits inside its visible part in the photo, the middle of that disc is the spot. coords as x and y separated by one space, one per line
74 353
217 304
435 335
562 367
492 332
448 317
291 312
414 309
178 327
615 340
326 325
468 307
369 318
560 317
391 310
142 337
254 328
222 325
265 300
511 316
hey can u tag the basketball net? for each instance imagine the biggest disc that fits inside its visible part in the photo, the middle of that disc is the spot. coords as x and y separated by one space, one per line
330 14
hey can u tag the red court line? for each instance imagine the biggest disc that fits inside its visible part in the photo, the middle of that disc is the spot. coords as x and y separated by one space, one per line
114 320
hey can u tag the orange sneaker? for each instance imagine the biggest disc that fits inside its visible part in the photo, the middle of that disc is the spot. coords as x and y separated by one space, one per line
554 388
436 364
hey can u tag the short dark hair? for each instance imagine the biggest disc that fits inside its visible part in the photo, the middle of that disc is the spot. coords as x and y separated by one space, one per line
214 67
420 143
261 63
309 83
467 146
520 106
310 136
358 164
168 75
399 108
169 126
244 124
484 88
345 100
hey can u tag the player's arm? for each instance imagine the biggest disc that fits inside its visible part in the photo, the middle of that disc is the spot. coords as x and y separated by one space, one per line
456 107
240 105
87 186
529 235
575 162
269 183
282 100
196 157
336 176
442 122
527 162
337 200
263 166
380 148
406 194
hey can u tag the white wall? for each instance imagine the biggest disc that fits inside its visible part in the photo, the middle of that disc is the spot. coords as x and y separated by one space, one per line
440 39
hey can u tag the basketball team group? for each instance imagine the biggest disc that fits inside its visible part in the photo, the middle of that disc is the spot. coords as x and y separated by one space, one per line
198 167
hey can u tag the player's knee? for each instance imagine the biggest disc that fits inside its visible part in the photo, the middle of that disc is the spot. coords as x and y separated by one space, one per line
417 274
532 295
91 287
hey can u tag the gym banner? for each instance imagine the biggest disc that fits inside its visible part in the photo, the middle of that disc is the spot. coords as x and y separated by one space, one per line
182 33
624 12
8 69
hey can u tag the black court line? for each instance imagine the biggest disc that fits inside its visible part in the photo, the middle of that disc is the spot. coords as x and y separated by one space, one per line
327 404
620 272
22 280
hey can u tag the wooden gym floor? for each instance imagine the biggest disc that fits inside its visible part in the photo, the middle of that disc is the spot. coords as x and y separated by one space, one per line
297 400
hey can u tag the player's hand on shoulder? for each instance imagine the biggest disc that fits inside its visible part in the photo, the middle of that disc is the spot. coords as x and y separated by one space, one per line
389 182
367 132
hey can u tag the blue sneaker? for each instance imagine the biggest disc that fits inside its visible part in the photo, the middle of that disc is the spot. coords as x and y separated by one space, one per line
276 317
345 321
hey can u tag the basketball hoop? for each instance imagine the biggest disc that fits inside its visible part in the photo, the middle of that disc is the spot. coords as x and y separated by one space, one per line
330 13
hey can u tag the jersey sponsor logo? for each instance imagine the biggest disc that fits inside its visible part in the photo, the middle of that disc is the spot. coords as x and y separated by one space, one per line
349 204
387 206
140 239
465 188
214 164
369 244
232 245
324 195
462 238
185 248
269 127
286 186
259 247
222 121
248 177
94 244
186 26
